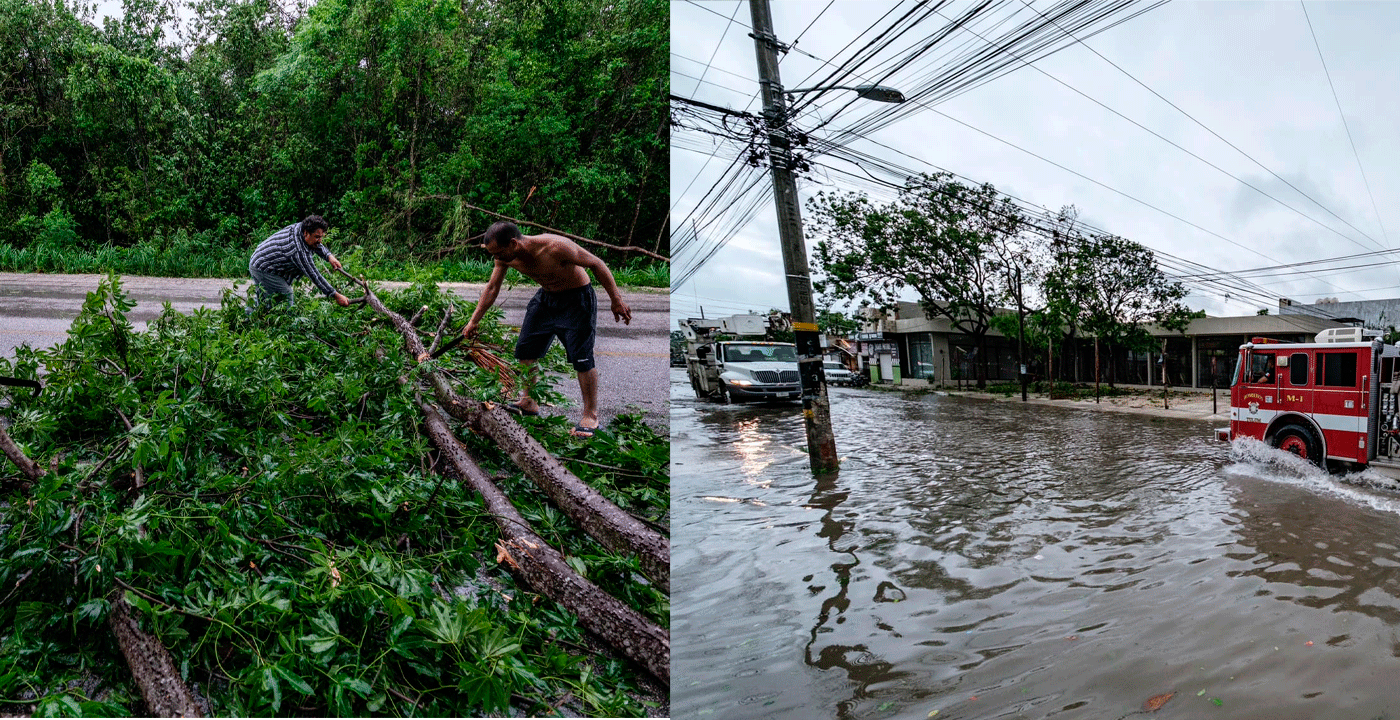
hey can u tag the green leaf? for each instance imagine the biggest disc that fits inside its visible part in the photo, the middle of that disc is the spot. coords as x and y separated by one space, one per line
296 682
359 686
271 685
318 644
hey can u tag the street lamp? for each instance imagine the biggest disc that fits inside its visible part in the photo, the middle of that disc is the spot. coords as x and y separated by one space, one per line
878 93
816 408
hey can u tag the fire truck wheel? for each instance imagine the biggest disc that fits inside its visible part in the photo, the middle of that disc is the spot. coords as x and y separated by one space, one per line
1300 441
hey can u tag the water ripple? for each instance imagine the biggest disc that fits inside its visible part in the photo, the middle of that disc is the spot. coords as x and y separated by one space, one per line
992 559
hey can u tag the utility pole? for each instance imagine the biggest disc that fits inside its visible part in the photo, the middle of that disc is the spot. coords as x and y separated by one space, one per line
816 409
1021 340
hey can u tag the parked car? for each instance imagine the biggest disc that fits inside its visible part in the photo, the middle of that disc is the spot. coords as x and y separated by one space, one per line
836 373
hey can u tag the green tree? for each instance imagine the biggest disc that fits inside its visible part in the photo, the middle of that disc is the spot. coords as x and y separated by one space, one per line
1111 288
390 117
836 323
955 246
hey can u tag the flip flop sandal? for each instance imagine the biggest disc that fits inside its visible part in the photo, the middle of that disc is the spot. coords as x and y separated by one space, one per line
580 431
515 409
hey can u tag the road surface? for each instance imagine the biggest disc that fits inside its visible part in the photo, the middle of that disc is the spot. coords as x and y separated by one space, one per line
633 360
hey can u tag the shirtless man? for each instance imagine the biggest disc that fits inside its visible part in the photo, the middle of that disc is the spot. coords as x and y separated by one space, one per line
565 307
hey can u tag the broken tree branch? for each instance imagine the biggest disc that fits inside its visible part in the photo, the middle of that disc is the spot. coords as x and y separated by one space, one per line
437 337
545 569
600 518
30 468
166 695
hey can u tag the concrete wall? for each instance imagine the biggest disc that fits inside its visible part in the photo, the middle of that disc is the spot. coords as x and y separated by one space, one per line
1376 314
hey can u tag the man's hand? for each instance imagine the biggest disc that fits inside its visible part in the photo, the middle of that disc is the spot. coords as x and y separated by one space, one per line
620 311
470 329
335 263
341 300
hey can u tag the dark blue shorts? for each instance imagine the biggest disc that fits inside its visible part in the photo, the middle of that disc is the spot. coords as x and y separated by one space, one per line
570 315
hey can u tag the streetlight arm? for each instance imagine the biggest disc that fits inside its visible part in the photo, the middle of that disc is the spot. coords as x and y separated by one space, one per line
879 93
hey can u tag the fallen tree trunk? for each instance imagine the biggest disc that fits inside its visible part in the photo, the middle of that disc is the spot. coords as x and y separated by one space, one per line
30 468
604 521
545 569
166 695
610 525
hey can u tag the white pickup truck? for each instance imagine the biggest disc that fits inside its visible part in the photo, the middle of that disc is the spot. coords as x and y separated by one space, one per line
836 373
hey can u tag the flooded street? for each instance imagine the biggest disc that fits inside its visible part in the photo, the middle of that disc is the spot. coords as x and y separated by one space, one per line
978 559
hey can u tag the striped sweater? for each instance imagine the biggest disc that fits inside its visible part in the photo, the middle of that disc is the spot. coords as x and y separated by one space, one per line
287 256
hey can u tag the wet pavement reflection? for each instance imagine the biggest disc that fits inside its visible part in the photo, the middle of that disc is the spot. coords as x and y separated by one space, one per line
979 559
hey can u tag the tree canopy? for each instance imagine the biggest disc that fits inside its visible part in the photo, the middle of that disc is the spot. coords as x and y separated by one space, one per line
969 254
955 246
389 117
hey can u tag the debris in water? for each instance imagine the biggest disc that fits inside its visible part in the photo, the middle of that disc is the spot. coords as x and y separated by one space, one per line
1218 702
1308 643
1156 702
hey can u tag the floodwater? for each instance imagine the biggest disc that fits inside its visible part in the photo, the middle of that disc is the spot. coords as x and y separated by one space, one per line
978 559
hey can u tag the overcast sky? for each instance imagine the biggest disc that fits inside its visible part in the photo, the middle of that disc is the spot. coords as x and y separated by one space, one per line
1249 71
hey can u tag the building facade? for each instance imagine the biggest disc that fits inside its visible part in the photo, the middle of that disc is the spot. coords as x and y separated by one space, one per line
906 347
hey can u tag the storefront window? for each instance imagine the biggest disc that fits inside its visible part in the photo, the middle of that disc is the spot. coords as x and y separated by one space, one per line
921 358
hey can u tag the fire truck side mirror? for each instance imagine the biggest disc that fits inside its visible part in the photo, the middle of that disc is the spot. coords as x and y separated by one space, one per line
702 352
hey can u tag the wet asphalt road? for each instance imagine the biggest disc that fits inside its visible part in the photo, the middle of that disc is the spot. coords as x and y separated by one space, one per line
633 360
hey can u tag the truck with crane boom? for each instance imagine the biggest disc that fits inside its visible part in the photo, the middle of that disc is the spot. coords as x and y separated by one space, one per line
729 359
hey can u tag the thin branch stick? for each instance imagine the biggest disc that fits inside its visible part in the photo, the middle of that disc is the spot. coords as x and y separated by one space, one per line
115 452
140 481
441 326
571 236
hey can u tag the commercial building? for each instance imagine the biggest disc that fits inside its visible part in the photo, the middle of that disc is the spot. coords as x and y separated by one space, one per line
906 347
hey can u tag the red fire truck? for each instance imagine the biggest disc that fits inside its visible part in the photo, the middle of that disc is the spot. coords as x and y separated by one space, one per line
1332 401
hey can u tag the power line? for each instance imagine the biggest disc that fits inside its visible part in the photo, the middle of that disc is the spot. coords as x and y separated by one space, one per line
737 5
1086 14
1343 115
1163 138
699 81
730 19
1199 123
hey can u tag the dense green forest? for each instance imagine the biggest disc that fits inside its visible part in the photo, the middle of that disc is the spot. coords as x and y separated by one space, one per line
174 138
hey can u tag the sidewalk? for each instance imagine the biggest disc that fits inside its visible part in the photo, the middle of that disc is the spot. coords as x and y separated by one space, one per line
1188 403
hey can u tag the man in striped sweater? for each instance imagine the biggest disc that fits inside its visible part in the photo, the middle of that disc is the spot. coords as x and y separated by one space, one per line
286 255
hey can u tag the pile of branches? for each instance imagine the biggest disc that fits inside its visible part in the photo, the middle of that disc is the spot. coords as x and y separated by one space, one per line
291 514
